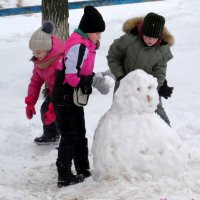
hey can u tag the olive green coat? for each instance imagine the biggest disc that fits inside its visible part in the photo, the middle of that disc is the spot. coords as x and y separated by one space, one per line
129 53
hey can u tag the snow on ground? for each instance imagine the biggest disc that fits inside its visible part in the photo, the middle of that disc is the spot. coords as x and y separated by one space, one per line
28 171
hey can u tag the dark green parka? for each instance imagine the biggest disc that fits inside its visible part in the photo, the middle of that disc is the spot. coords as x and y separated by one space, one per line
129 53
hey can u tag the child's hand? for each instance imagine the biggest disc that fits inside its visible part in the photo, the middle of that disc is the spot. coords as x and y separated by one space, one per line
30 108
101 83
165 91
49 116
109 73
30 111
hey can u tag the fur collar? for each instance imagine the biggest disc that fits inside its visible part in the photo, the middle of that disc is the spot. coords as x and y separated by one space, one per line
130 24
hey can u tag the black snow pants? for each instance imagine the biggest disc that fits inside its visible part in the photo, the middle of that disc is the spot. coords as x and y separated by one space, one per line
73 143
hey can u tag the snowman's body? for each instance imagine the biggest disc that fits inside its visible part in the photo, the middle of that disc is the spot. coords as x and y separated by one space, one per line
131 137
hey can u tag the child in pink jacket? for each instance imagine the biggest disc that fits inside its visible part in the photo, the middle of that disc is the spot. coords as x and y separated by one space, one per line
77 73
48 53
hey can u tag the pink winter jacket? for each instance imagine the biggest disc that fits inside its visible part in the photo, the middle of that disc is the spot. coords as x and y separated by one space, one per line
72 47
45 70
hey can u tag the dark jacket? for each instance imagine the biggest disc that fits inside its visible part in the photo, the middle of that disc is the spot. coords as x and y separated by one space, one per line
129 53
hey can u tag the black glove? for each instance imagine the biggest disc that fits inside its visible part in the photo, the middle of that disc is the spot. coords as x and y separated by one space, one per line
86 84
86 81
165 91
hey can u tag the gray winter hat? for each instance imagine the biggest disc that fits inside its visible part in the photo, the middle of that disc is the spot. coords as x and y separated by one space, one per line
41 38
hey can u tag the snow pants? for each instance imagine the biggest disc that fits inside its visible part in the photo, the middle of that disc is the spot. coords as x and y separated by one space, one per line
73 144
161 112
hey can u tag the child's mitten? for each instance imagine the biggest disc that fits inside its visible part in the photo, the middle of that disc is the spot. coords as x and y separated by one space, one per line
49 116
30 108
165 91
100 83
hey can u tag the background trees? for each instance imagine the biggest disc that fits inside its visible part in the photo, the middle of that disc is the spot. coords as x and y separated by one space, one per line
57 11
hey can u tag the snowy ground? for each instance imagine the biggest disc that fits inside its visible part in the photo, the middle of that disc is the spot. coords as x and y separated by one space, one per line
28 171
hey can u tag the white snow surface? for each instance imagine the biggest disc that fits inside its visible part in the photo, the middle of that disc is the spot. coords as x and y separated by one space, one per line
28 171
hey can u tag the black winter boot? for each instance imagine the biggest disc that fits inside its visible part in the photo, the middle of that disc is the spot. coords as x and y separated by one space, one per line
69 179
51 133
84 173
47 140
81 161
65 176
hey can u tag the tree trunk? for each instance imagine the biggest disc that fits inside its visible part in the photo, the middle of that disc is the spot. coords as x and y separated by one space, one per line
57 11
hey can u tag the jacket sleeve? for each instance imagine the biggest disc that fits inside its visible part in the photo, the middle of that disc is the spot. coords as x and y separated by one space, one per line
115 58
160 69
74 63
35 85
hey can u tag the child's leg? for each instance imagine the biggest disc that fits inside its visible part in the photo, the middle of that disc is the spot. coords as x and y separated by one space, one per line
160 111
51 133
81 161
69 137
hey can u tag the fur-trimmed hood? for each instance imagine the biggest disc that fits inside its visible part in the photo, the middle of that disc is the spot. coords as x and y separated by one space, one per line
130 24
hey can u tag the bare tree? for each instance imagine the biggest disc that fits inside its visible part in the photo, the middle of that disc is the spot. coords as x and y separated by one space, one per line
19 3
57 11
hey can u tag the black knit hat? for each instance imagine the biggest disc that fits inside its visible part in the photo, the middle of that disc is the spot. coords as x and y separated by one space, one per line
91 21
153 25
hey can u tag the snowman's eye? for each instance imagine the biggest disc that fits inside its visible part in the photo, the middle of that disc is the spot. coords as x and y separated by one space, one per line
150 87
138 89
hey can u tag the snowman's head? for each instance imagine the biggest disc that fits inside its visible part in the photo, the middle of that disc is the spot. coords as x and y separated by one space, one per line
137 93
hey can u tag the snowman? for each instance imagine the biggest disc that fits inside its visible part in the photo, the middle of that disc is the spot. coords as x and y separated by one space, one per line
131 138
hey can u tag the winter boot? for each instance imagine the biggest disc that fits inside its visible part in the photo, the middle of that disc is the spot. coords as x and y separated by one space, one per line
51 133
84 173
66 178
81 161
43 140
70 179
